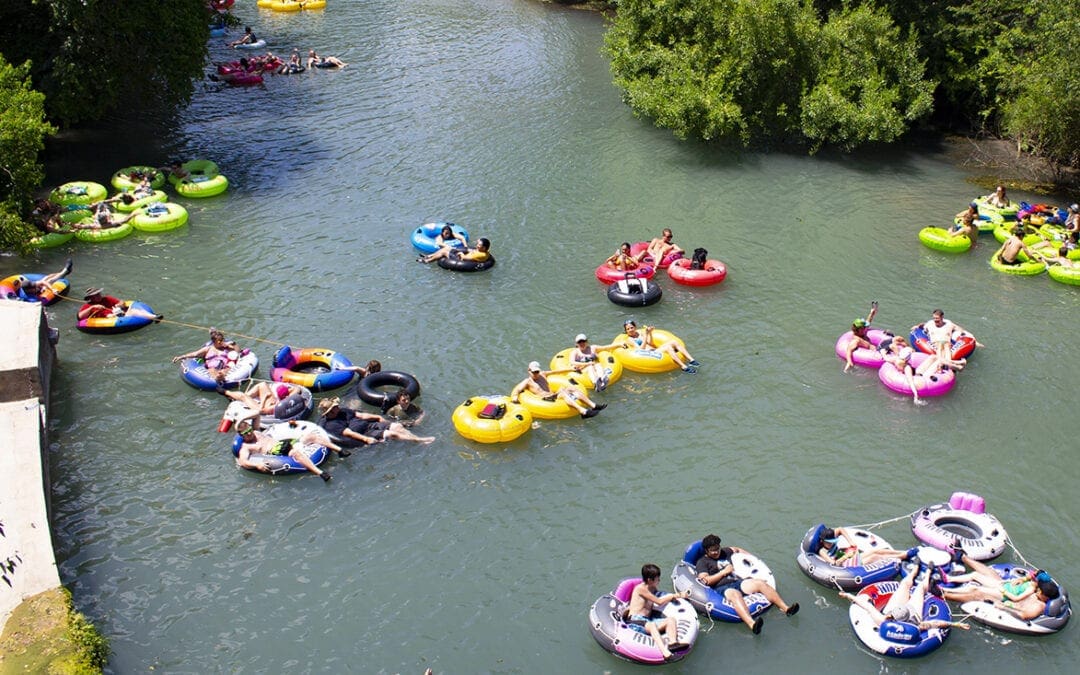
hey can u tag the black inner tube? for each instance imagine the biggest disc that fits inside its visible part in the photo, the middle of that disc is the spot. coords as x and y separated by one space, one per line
368 388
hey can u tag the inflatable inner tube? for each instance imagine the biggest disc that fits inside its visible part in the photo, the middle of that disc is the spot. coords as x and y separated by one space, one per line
607 274
866 358
491 419
713 273
634 292
316 368
610 627
47 296
934 384
369 388
1053 618
110 325
281 464
963 518
711 601
962 346
832 575
940 239
896 638
456 263
423 237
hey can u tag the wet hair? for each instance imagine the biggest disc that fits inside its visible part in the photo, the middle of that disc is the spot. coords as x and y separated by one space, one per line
483 242
649 571
623 245
373 366
404 392
446 230
710 541
1049 589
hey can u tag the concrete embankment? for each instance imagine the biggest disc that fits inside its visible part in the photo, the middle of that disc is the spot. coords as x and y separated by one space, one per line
27 563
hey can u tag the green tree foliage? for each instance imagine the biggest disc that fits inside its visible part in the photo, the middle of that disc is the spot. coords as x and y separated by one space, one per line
869 84
767 70
23 129
94 57
1042 109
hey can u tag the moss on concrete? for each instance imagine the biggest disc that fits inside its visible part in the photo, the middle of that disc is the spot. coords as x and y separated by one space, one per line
46 635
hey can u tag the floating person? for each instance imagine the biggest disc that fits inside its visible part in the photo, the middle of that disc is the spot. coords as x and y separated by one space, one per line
316 61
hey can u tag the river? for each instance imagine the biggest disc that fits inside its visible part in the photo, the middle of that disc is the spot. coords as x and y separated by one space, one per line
499 115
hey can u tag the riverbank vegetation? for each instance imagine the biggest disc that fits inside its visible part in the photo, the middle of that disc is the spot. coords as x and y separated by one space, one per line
66 62
849 73
46 635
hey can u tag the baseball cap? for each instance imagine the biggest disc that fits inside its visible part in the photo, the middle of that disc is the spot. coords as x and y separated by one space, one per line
534 367
859 323
581 337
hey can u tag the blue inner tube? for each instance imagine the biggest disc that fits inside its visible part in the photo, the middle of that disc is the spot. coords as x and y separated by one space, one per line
829 574
279 464
706 599
123 324
368 388
423 237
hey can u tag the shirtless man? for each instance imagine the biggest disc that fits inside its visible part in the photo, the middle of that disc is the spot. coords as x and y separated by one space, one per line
1034 605
1009 252
644 601
574 397
663 246
259 443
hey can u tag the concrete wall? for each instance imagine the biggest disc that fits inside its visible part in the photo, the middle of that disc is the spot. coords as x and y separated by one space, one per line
27 354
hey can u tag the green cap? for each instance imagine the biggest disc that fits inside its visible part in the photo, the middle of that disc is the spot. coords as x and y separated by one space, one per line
859 323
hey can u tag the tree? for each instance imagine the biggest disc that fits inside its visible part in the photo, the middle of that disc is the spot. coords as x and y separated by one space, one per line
92 58
869 84
23 129
768 71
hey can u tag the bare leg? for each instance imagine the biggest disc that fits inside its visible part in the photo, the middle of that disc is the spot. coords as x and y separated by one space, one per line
739 604
299 455
399 432
654 633
757 586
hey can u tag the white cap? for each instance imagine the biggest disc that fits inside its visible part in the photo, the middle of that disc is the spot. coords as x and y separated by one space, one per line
534 367
581 337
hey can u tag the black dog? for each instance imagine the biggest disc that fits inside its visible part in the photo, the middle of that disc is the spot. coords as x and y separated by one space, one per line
698 261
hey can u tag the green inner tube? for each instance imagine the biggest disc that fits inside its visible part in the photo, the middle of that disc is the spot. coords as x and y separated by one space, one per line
78 192
122 179
1027 268
1003 231
51 239
158 196
940 239
108 234
1065 275
175 217
198 186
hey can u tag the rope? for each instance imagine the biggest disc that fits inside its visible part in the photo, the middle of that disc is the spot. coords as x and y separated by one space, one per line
254 338
883 522
1008 540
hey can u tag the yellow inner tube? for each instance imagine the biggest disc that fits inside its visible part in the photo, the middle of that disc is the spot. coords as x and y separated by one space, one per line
647 361
606 359
514 422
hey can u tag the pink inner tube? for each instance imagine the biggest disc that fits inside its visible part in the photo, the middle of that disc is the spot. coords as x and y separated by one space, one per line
680 272
609 275
642 246
928 385
867 358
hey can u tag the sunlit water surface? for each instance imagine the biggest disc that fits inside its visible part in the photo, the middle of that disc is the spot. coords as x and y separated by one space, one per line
500 116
